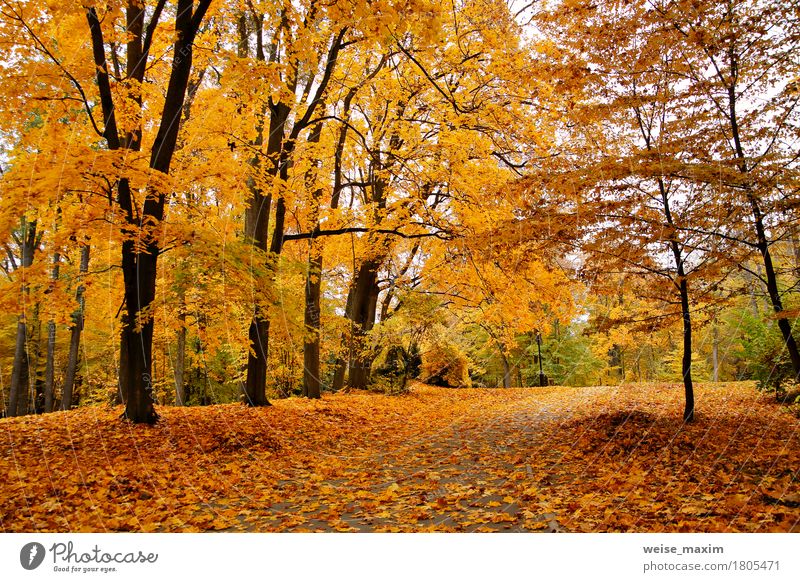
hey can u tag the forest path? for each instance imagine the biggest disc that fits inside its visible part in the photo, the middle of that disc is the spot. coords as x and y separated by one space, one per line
460 473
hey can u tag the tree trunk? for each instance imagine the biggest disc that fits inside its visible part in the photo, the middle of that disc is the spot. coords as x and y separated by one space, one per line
257 216
312 384
715 351
362 314
75 335
340 372
680 282
686 364
122 384
139 268
18 397
20 370
139 261
140 281
506 371
784 325
49 369
686 315
311 366
180 357
762 242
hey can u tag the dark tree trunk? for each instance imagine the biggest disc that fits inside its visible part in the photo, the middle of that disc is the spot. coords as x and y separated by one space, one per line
686 315
680 282
256 228
257 216
180 358
762 242
49 368
784 325
364 306
715 351
686 364
20 373
20 370
75 335
506 371
139 262
312 383
279 151
122 382
339 373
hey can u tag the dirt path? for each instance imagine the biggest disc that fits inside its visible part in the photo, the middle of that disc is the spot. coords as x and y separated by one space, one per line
465 476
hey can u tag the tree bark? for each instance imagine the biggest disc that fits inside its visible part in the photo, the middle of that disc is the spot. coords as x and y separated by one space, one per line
681 281
257 216
18 397
75 335
686 364
312 383
506 371
49 369
20 370
279 149
715 351
180 356
686 315
362 314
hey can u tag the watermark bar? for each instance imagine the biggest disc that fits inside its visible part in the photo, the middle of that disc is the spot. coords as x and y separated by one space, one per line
369 557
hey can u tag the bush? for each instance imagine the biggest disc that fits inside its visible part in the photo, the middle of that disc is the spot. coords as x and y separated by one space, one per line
392 370
445 364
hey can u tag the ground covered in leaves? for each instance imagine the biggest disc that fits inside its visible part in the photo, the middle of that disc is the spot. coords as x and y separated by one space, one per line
524 459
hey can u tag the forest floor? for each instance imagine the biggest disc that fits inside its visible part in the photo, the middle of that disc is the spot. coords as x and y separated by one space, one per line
521 459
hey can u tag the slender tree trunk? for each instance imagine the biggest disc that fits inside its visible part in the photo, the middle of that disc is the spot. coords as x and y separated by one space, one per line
257 217
506 371
279 149
49 369
342 363
180 356
784 325
762 242
18 397
715 351
124 374
681 282
37 402
339 374
686 364
312 384
686 315
75 335
20 370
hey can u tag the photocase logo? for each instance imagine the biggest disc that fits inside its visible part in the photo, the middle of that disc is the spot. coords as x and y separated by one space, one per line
31 555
